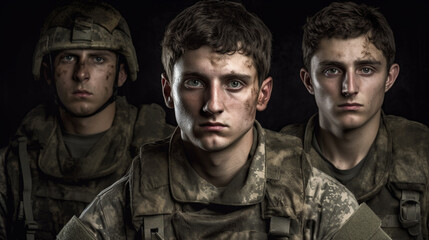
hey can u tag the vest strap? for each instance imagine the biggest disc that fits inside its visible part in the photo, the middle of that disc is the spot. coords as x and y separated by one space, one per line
75 230
279 226
362 225
409 212
30 224
153 227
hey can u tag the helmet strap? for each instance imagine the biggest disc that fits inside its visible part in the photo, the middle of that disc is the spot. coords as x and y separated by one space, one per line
59 103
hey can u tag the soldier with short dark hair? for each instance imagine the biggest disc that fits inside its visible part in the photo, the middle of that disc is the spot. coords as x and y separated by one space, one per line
68 150
349 65
221 175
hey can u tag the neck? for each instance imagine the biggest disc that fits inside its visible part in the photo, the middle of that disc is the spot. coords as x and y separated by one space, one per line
219 167
345 148
97 123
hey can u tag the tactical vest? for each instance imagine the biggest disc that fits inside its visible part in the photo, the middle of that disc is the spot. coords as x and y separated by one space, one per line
402 202
153 208
35 198
75 192
400 197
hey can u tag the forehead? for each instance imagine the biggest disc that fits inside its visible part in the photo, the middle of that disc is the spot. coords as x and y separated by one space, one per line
208 62
348 50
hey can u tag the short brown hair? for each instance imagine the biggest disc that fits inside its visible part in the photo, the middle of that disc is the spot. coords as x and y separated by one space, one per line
348 20
225 26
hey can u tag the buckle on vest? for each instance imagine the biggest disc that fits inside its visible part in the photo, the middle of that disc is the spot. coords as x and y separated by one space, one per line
409 215
30 227
153 227
279 226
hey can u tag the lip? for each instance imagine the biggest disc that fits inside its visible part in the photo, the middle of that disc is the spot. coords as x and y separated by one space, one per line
350 106
81 93
213 126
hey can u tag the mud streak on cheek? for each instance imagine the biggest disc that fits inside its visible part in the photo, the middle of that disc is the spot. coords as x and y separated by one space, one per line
60 73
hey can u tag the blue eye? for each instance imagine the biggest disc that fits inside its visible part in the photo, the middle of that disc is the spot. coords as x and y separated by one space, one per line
366 70
193 83
235 84
98 59
331 71
68 58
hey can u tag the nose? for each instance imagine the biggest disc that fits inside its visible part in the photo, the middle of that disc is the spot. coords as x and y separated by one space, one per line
81 71
349 86
214 100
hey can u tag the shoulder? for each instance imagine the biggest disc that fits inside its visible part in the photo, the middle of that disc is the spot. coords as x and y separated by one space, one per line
279 140
152 157
322 187
328 202
409 138
122 103
151 124
410 151
36 116
154 148
107 209
299 129
295 129
283 152
145 110
399 126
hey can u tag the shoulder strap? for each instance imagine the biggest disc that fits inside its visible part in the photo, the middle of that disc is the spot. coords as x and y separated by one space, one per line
30 224
75 230
362 225
150 220
287 173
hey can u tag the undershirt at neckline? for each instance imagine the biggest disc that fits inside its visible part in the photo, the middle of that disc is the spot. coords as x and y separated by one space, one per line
80 145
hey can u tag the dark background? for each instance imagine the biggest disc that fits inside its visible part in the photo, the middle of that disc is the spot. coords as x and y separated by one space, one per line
20 22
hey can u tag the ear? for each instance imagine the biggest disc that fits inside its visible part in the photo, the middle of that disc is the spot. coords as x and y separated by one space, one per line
122 76
166 91
264 94
391 76
306 80
46 73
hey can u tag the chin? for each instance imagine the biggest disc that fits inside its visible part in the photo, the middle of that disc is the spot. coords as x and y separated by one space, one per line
351 124
212 145
81 111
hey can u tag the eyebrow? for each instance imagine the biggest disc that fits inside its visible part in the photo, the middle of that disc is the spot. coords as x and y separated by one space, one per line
243 77
356 63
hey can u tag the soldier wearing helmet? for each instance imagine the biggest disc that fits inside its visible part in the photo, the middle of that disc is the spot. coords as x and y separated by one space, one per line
65 152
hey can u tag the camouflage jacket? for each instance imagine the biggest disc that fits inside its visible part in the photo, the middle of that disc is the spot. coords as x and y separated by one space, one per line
394 180
279 196
61 185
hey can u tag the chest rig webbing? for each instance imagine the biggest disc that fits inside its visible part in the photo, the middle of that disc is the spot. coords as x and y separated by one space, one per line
405 184
400 186
282 206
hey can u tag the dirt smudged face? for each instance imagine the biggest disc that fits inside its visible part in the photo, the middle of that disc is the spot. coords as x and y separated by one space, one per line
215 98
84 79
349 78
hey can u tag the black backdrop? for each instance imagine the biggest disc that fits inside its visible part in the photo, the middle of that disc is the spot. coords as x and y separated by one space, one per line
20 22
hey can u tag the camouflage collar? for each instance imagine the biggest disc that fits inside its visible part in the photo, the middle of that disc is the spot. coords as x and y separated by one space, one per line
106 156
187 186
375 171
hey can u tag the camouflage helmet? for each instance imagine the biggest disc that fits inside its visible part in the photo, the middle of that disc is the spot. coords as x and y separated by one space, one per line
85 25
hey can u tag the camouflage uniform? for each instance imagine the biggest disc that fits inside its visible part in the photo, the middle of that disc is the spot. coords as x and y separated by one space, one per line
278 195
394 180
61 185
